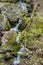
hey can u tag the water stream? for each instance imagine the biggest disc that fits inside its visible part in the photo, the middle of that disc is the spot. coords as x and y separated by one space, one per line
16 27
23 49
23 5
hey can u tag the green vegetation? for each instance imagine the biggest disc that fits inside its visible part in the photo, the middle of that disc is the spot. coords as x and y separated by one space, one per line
29 45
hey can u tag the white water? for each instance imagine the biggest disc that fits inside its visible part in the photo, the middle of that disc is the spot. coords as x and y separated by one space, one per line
23 5
23 49
16 27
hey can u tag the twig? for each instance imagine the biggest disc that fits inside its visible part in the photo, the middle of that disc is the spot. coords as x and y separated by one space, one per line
34 9
32 15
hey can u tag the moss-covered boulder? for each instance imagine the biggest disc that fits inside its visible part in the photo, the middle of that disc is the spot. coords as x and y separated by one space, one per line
13 12
8 52
4 23
9 47
9 37
9 41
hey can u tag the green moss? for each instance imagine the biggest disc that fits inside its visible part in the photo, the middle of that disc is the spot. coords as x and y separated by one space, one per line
25 22
37 22
2 57
15 1
8 26
31 38
11 49
41 60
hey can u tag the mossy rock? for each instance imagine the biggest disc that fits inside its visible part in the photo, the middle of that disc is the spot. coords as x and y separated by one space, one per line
14 12
9 47
4 23
9 37
9 42
9 52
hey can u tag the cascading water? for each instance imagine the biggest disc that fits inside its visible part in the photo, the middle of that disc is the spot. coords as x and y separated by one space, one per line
16 27
23 5
23 49
17 59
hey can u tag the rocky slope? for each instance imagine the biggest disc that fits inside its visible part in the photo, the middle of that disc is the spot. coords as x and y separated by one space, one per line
21 41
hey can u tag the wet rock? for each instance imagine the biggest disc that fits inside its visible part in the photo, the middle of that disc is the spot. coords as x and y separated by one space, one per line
13 12
29 8
4 23
1 34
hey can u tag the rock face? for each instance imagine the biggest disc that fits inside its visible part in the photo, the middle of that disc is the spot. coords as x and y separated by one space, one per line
4 23
13 12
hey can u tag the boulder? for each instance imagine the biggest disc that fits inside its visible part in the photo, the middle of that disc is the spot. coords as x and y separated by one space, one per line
4 23
13 12
9 37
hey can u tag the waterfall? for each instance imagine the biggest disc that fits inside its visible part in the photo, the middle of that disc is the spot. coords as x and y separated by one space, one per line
16 27
23 5
23 49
